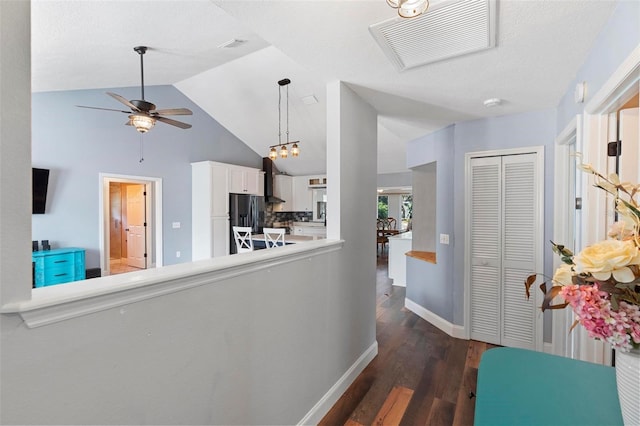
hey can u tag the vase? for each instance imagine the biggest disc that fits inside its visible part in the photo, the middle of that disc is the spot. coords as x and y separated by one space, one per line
628 380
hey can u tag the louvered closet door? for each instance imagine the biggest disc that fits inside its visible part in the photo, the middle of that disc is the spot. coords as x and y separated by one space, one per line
520 229
486 239
503 246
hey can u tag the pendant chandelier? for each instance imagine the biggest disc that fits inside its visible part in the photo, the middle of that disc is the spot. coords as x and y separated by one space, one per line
281 148
409 8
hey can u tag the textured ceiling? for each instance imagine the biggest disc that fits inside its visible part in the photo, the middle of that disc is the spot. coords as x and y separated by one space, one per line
88 44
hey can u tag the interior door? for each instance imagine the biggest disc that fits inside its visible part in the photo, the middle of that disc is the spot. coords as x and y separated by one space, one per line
505 226
136 226
520 226
486 223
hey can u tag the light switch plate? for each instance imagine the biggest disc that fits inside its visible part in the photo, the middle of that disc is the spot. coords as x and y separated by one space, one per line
175 225
444 238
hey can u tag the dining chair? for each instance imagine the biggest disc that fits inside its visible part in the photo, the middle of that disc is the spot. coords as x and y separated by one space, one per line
381 240
242 237
273 237
391 223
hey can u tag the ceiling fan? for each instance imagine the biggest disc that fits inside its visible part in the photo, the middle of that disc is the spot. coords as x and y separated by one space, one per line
143 114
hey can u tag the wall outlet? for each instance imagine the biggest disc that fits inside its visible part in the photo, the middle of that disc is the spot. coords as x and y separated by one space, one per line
444 238
175 225
178 253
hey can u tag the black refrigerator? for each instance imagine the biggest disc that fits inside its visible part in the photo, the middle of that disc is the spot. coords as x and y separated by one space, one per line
245 210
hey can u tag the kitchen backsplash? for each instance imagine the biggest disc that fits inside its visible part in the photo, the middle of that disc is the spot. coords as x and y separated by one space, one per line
284 219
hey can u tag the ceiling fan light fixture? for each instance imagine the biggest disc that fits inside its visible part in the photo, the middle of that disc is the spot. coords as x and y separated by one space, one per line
142 123
409 8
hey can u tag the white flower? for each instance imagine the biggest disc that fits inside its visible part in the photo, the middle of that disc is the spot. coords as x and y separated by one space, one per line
609 257
563 275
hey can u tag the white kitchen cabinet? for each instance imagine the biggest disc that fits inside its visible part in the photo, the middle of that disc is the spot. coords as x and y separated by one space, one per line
209 210
398 246
301 194
309 229
245 180
282 188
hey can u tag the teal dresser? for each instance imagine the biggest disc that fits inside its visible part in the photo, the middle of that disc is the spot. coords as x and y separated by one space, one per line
58 266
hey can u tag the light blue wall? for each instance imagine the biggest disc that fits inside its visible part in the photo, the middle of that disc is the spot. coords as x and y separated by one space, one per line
429 285
77 144
619 37
510 131
440 288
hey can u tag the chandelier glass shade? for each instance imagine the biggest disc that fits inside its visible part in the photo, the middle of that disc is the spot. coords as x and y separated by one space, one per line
141 122
280 149
409 8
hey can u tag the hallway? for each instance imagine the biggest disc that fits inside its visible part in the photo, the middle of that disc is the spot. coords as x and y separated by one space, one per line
420 376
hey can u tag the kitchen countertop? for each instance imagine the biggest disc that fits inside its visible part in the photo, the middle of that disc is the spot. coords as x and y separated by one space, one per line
319 224
288 238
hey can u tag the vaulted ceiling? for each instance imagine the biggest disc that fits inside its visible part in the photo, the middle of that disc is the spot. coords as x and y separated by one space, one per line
87 44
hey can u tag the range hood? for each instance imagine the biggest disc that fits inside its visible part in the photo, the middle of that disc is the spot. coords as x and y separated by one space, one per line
270 170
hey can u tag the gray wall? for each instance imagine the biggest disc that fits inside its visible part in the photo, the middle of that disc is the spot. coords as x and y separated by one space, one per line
393 180
78 143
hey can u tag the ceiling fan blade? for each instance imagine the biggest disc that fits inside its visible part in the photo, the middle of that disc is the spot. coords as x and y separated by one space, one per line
173 111
104 109
173 122
123 101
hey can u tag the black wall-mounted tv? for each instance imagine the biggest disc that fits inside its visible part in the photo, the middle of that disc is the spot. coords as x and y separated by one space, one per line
40 183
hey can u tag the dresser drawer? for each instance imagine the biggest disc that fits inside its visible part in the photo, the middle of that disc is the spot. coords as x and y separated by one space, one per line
59 260
58 266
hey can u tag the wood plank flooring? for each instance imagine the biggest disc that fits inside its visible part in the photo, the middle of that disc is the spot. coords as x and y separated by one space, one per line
421 375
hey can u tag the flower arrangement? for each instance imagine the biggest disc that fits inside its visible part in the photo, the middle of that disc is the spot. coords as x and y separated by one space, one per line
602 282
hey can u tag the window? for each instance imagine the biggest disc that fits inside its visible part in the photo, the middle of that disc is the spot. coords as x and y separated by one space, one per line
383 206
406 210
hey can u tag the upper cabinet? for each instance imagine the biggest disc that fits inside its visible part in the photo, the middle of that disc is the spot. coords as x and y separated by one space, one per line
301 194
245 180
282 188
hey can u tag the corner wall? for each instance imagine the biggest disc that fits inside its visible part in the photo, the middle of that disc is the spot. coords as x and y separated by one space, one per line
429 285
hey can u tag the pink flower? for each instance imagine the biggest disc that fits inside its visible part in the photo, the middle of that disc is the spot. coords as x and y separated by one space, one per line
593 311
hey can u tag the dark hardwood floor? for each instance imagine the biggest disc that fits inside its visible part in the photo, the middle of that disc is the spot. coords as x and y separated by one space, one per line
421 376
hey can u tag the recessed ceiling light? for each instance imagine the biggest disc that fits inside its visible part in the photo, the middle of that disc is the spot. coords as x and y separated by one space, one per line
493 102
234 42
309 100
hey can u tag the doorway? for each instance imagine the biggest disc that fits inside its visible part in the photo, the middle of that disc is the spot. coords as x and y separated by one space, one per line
619 92
127 223
131 219
504 225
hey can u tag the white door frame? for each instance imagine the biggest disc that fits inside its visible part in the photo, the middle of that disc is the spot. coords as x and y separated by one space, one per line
153 187
614 93
562 342
539 244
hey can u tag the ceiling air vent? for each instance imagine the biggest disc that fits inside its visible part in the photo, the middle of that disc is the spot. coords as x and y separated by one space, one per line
446 30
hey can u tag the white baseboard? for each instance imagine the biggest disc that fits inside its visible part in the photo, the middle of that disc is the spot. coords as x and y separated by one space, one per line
547 348
323 406
452 330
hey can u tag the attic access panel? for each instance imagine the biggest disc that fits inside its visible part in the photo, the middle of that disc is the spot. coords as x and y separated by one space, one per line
446 30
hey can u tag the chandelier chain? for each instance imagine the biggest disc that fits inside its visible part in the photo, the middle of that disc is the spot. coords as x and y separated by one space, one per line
279 115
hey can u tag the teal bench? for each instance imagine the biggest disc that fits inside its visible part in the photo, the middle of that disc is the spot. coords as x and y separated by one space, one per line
523 387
